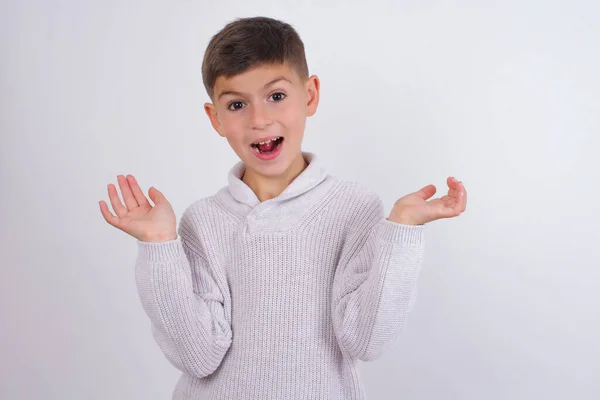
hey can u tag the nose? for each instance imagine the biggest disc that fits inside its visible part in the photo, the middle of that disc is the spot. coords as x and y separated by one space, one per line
259 116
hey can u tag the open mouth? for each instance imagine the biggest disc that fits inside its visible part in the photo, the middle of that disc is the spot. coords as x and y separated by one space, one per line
268 147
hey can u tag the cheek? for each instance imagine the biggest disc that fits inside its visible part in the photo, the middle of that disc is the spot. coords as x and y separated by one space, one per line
232 125
227 119
293 115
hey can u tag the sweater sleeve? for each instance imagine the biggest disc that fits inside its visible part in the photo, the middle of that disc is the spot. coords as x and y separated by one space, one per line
184 303
375 281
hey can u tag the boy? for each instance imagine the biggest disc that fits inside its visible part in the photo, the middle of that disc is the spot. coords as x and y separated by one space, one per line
275 286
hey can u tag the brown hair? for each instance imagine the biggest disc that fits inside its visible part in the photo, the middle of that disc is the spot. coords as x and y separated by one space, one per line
249 42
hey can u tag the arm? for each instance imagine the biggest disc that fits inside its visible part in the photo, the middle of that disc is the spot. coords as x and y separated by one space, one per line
187 315
374 286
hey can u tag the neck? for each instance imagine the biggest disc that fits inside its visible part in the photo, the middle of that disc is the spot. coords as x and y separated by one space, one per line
269 187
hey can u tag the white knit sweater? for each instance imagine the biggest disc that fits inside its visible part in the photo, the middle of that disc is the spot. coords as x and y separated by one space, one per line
279 299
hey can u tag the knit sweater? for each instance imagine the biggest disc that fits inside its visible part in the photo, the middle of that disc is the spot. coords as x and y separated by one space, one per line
279 299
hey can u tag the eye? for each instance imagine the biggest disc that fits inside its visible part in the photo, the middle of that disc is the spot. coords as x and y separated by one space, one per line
278 96
235 105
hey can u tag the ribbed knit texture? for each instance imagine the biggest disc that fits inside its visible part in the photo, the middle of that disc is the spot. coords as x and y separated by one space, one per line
279 299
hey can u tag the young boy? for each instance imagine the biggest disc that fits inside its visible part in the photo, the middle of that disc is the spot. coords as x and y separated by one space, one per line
275 286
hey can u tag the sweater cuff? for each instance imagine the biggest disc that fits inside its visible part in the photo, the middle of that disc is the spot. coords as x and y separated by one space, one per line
394 232
161 251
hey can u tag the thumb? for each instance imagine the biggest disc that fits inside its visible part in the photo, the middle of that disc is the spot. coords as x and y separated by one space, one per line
426 192
156 195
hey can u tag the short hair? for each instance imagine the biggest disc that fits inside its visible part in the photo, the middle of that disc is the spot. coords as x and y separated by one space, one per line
249 42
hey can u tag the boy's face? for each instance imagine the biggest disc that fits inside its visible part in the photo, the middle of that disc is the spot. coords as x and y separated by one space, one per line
266 101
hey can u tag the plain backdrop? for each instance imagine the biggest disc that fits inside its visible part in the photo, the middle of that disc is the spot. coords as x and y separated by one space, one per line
503 95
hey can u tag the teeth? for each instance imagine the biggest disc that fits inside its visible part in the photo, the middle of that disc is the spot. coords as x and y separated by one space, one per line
268 141
255 145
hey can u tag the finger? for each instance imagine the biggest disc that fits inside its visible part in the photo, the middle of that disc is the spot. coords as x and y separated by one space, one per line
155 195
458 206
446 212
458 190
115 201
108 217
448 201
461 196
130 201
137 191
453 183
426 192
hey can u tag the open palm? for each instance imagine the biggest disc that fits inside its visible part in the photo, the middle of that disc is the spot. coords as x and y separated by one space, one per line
138 217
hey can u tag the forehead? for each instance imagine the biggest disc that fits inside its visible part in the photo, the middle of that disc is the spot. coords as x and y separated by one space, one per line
255 78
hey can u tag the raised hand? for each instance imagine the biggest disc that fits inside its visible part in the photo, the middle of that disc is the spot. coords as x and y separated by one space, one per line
414 209
138 217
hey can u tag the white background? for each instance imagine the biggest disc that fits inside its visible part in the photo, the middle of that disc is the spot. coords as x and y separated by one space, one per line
503 95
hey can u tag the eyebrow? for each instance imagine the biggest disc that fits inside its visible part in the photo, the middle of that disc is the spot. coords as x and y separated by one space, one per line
274 81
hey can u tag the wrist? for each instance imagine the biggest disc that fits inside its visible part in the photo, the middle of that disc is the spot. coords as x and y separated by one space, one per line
159 237
403 221
402 218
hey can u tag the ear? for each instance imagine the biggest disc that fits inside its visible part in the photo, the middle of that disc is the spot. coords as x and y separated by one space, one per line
211 111
313 87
